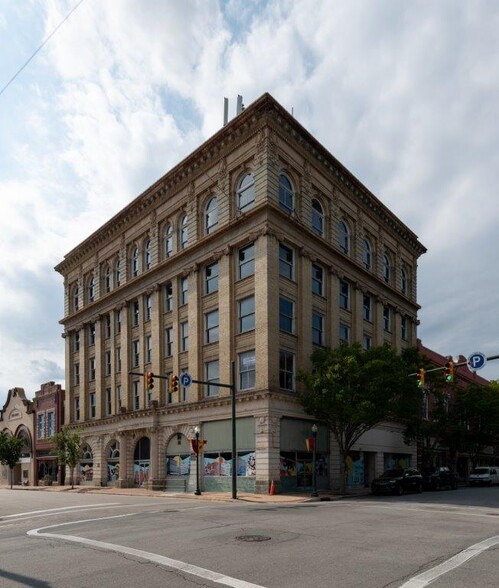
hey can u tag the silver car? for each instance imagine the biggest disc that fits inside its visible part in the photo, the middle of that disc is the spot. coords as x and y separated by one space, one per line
484 476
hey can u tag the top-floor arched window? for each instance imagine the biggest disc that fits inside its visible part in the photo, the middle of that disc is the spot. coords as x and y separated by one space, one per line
135 261
184 232
286 194
168 240
91 289
246 193
211 215
147 254
117 272
75 297
106 282
366 253
317 218
344 237
386 268
404 280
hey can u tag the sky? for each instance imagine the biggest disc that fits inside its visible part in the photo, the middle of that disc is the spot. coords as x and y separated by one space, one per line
404 94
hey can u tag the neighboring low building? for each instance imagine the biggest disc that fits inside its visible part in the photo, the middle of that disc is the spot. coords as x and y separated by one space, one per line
17 419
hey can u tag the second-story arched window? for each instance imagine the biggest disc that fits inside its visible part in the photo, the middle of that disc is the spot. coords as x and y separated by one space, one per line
344 237
366 253
211 215
246 193
135 261
286 194
168 241
317 218
184 232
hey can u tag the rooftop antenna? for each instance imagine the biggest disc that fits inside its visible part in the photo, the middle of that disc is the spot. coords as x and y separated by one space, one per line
240 105
226 111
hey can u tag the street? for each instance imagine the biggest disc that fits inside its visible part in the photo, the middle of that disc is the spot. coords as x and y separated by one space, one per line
59 539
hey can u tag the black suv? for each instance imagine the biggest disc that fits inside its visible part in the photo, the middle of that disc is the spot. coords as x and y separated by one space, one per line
438 477
398 481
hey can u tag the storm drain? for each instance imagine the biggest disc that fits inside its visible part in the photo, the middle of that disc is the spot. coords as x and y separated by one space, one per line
252 538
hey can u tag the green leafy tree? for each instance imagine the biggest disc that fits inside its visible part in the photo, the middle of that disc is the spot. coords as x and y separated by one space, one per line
352 391
68 442
10 452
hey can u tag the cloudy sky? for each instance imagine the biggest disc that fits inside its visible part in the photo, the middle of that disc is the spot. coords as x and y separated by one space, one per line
404 94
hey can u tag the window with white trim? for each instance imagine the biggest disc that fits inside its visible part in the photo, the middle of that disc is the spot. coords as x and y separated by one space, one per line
211 326
286 194
246 193
211 216
246 261
286 262
246 369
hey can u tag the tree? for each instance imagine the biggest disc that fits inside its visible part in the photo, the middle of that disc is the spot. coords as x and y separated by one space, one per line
352 390
68 443
10 452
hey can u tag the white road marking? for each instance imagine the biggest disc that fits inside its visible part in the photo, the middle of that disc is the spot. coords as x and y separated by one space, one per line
61 508
152 557
422 580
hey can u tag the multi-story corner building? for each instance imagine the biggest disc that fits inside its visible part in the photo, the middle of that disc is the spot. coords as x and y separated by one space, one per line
49 418
257 247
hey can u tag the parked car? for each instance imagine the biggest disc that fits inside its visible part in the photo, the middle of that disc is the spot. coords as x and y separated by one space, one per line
484 476
438 477
398 481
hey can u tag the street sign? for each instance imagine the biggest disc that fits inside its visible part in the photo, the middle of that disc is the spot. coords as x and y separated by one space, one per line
185 379
476 361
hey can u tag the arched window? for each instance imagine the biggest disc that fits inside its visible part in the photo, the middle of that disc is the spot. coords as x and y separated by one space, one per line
317 218
117 272
386 268
87 464
75 298
147 254
404 283
366 253
168 241
246 193
135 261
286 194
344 237
113 462
91 289
184 232
107 279
211 216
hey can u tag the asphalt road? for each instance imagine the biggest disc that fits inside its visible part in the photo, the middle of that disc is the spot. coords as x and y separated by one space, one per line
86 540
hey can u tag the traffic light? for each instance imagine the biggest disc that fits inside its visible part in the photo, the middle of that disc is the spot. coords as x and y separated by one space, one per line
149 380
420 377
173 383
449 371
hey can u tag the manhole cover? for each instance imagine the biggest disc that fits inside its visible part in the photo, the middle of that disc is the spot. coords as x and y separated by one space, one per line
251 538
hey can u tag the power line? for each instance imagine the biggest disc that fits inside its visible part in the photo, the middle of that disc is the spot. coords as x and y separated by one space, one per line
40 48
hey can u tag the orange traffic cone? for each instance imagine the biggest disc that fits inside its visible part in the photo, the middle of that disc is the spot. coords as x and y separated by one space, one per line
272 488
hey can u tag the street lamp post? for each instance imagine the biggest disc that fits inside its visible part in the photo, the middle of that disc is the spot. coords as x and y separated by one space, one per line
314 456
196 433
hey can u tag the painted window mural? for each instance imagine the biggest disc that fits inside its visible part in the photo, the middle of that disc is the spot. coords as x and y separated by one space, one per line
87 464
113 462
355 468
178 465
141 462
220 464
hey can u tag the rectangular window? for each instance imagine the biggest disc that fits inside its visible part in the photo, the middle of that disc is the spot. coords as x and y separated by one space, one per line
344 333
117 318
92 412
287 370
344 294
136 395
247 370
40 426
387 318
246 312
148 348
107 363
246 260
211 326
286 262
109 401
211 278
148 307
286 315
184 336
91 334
77 408
135 353
404 328
367 308
184 290
169 342
107 326
50 423
91 369
118 397
76 342
168 297
367 342
317 280
212 376
76 374
317 328
135 313
117 359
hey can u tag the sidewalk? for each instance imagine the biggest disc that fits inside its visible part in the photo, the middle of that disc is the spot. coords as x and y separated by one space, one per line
210 496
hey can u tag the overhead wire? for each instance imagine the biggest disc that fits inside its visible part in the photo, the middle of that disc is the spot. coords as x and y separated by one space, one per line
40 47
